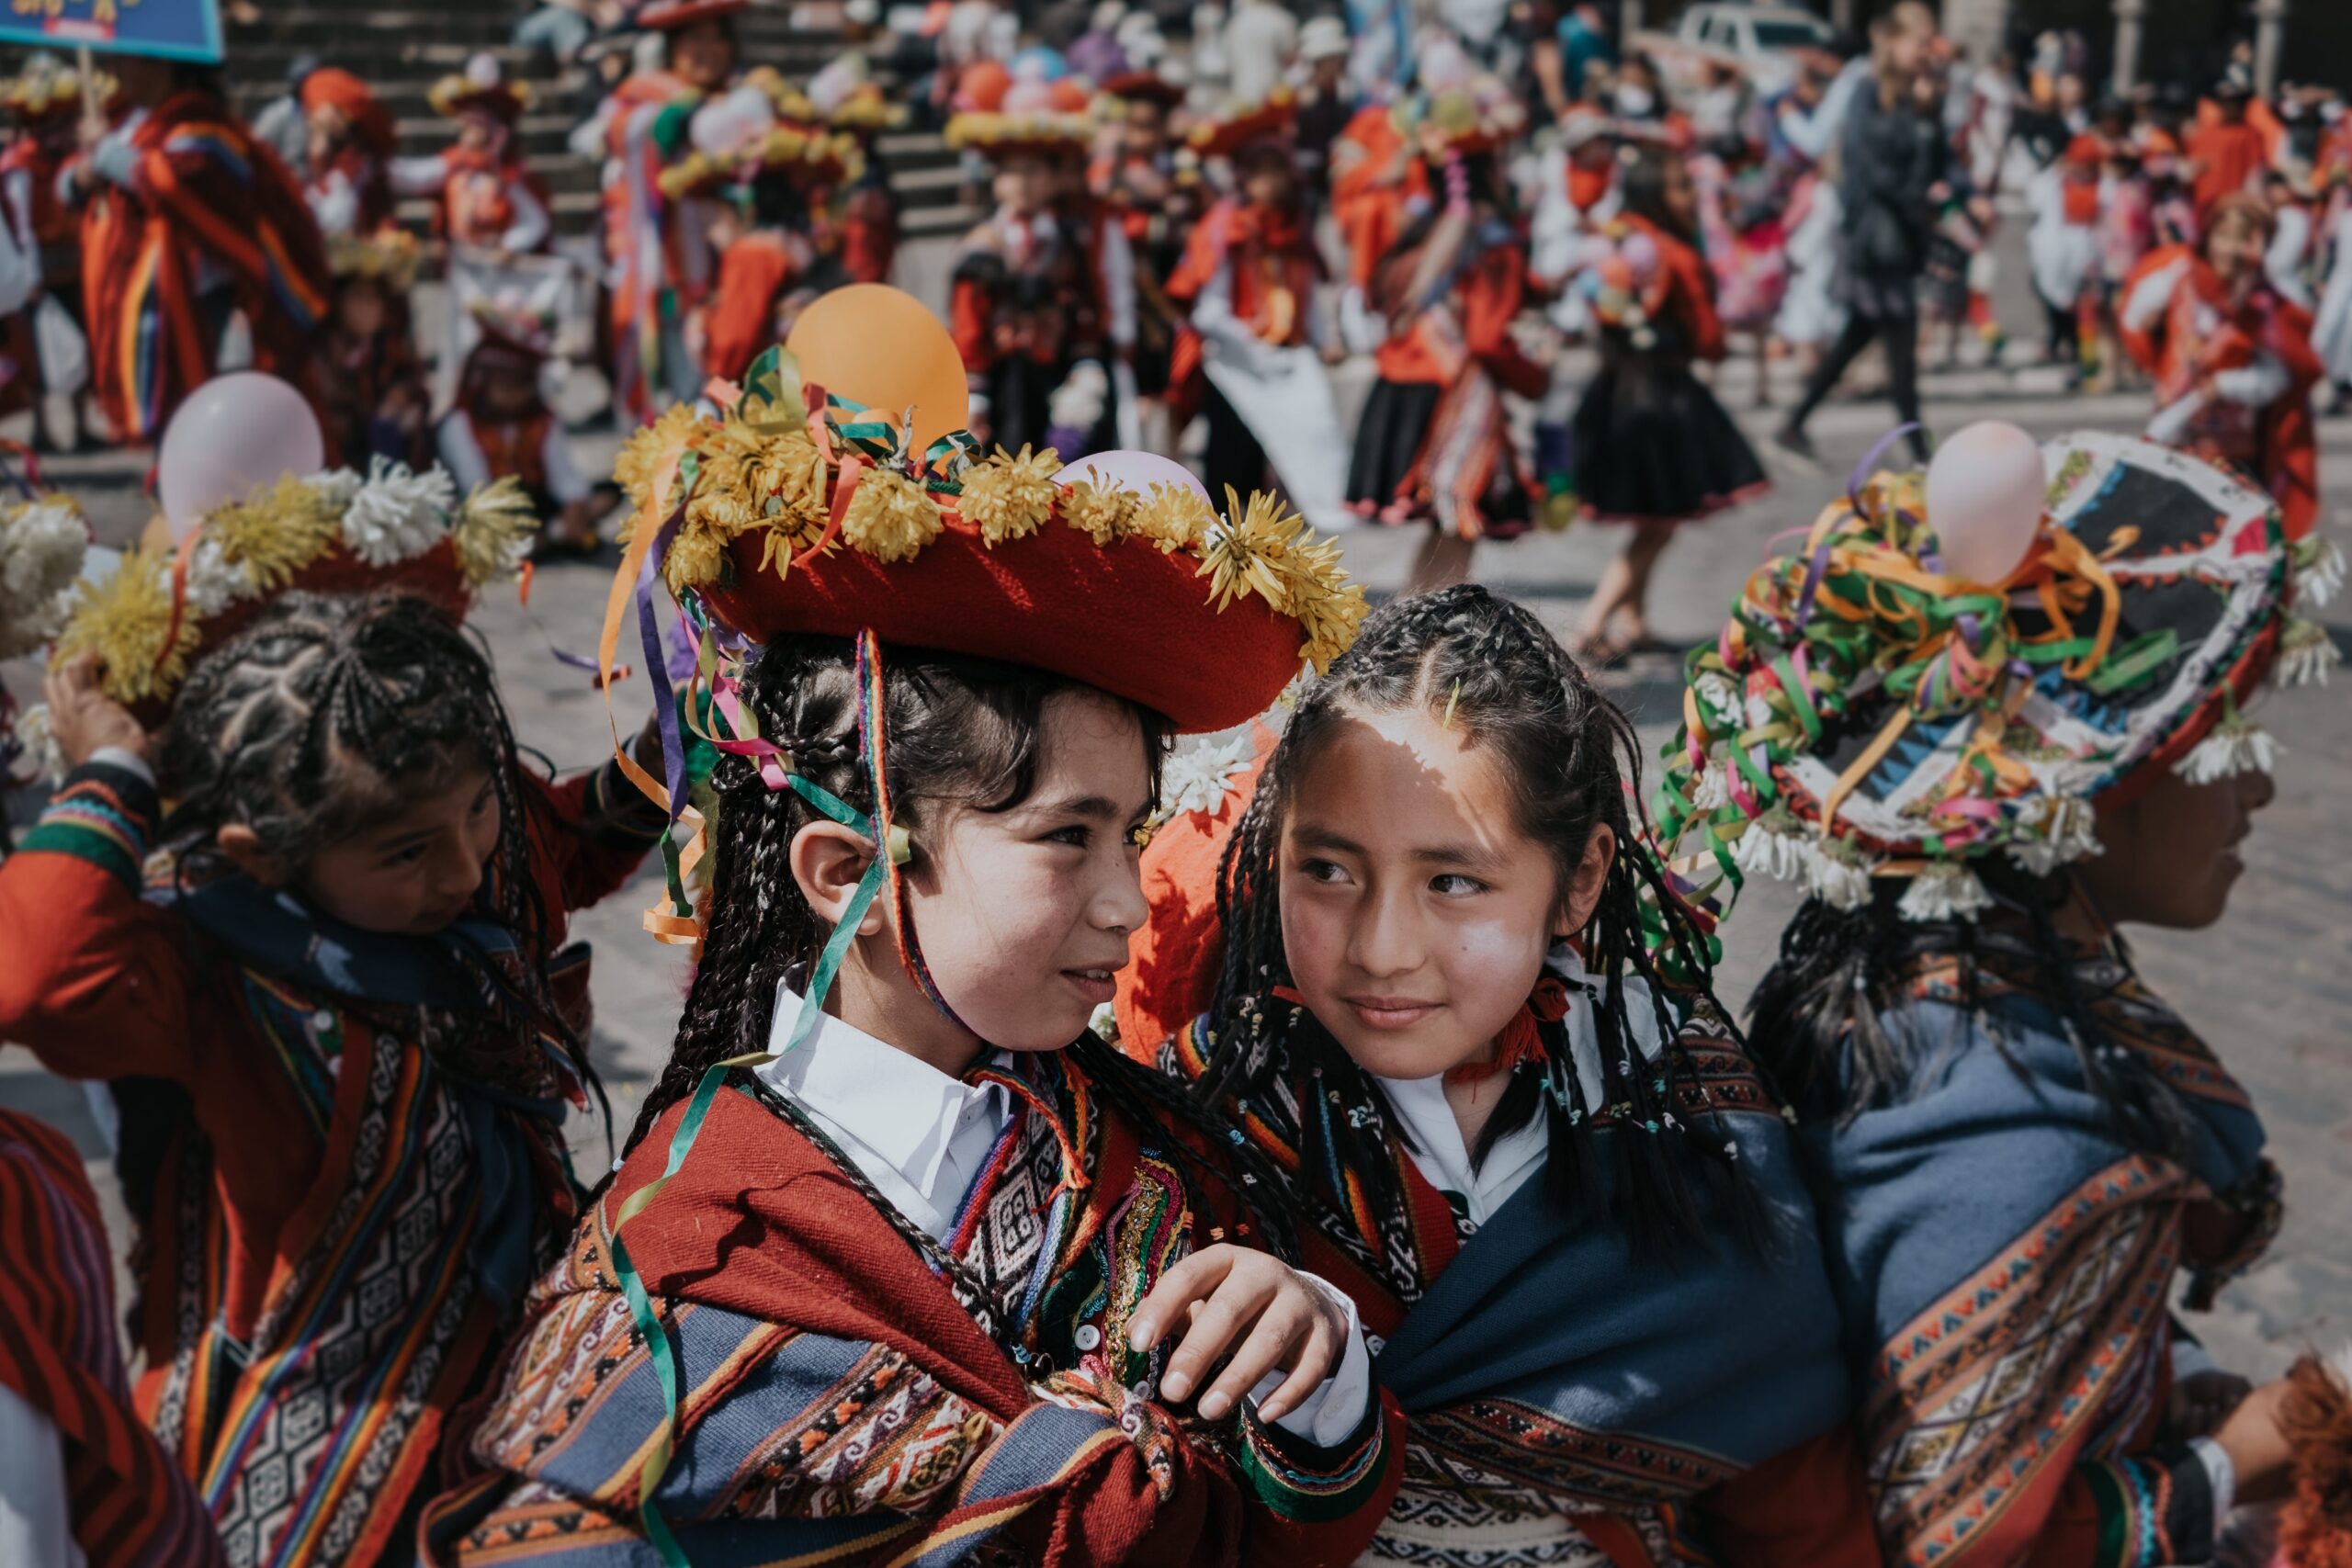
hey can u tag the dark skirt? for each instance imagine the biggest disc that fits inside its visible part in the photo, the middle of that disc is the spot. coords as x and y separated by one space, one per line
1389 438
1650 444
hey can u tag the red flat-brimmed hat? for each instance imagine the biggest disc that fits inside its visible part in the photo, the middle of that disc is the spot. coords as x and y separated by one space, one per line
669 15
1272 120
1144 87
481 85
787 525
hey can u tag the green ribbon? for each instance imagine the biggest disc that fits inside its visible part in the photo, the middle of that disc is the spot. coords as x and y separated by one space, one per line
681 1143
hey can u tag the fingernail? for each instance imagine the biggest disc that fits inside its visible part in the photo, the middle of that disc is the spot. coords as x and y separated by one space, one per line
1175 1386
1140 1336
1214 1407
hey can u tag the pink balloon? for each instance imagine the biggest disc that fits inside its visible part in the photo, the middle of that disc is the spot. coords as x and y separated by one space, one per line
1985 493
1137 471
1641 254
232 434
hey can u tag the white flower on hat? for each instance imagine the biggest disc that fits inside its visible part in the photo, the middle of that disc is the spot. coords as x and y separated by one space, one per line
1835 874
214 582
40 555
337 487
2066 832
2319 571
398 514
2234 746
1771 847
2306 653
1945 891
1198 778
1711 791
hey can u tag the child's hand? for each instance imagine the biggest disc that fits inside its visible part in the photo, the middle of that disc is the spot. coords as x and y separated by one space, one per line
82 717
1229 1296
2202 1401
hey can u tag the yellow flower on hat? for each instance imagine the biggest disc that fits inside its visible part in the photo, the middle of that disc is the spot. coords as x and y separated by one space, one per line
1103 512
642 456
275 531
128 622
1243 554
890 518
1175 517
1008 497
492 529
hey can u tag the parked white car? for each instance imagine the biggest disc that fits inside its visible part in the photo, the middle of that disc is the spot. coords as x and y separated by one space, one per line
1762 40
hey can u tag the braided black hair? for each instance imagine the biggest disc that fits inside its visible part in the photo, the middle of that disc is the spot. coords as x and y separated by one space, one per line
331 715
961 730
1572 763
1827 1021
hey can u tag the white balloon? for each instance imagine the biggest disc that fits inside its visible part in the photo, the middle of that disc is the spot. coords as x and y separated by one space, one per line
1986 488
230 435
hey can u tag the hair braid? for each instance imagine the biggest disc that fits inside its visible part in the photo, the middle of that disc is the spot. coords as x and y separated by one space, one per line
1572 763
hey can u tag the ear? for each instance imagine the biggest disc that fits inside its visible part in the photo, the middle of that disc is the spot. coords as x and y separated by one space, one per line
242 847
828 861
1582 894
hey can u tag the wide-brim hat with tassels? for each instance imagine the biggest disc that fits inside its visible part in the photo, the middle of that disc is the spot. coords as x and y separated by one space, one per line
1864 714
336 532
790 512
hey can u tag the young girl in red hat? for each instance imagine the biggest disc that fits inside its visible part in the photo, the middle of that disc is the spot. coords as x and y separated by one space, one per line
1433 446
2232 358
483 194
1427 961
911 1276
336 1011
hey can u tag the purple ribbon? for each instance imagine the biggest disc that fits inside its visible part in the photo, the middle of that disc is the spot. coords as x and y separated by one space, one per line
657 667
1870 461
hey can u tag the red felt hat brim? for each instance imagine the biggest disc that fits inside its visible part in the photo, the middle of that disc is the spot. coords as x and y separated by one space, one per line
1125 619
662 18
435 575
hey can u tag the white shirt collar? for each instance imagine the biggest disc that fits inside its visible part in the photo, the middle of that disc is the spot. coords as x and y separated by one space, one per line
1438 1148
917 1134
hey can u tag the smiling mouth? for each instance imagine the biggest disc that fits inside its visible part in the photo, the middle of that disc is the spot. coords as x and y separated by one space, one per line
1391 1012
1095 983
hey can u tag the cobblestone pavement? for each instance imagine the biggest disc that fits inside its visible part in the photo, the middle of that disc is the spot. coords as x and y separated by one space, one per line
2271 986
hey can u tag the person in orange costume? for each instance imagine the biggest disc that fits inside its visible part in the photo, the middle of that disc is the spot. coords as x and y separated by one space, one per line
483 195
1377 182
2227 149
2232 359
1433 446
352 140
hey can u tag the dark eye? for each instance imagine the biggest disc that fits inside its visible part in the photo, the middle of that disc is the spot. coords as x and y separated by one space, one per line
1453 885
409 857
1316 869
1077 836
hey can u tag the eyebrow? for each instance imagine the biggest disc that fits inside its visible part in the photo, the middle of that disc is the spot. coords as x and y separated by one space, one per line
1093 808
1433 854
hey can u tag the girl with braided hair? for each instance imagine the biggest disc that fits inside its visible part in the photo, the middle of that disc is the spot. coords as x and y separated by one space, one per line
903 1263
340 1034
2025 1158
1463 1011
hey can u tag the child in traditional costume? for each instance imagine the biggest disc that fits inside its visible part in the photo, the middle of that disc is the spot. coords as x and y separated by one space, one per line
1379 185
756 175
2063 251
375 398
337 1010
85 1483
1033 301
1158 204
2018 1146
1578 194
936 1247
1743 205
503 427
347 176
1651 445
661 268
185 221
482 193
1249 280
47 351
1433 446
1443 984
861 205
2233 361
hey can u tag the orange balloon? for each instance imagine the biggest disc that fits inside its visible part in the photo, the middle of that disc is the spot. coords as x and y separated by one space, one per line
881 347
981 87
1070 95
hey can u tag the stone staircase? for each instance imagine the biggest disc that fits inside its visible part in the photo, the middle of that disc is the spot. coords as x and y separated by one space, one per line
402 51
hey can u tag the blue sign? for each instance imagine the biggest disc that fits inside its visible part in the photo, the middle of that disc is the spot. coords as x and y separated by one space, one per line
169 29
